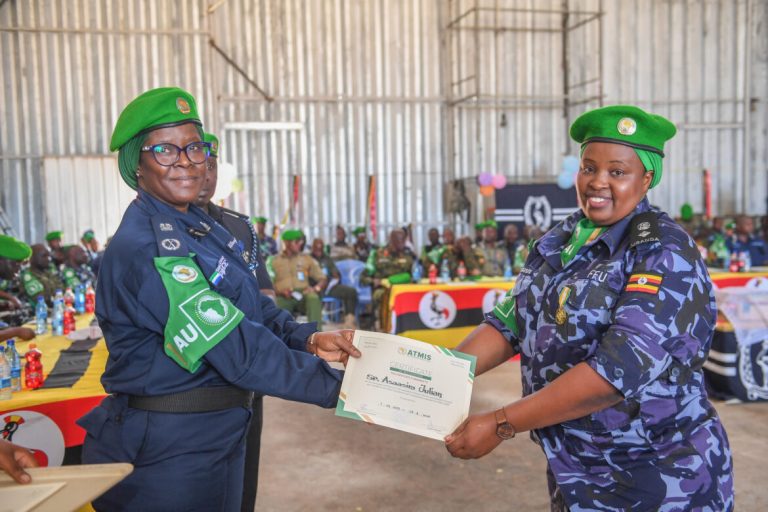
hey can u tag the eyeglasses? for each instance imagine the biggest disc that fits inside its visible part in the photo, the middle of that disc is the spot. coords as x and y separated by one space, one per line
167 154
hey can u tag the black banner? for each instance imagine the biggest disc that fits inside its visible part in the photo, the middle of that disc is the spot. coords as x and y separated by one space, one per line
539 205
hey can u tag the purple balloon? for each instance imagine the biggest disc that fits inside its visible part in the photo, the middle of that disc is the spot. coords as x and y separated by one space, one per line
484 179
499 181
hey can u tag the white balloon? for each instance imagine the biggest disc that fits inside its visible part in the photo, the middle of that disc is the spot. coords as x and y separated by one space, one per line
227 174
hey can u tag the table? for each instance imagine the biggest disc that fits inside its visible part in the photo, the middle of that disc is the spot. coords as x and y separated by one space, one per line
444 314
44 419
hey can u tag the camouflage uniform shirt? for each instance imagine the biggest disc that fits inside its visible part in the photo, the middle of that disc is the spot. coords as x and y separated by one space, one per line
641 312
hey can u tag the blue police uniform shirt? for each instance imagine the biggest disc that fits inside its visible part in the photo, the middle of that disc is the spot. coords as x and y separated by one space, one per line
758 252
663 447
187 461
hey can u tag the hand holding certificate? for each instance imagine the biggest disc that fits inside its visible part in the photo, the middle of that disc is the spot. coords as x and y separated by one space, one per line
407 385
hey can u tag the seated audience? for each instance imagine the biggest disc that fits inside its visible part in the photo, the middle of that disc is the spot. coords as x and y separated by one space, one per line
333 288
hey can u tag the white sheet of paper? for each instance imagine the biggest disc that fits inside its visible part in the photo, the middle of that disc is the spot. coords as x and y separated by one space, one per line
406 384
61 488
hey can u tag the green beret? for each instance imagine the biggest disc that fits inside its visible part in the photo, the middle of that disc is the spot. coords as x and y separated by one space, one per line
359 230
686 212
490 224
214 141
88 235
13 249
623 124
156 108
53 235
289 235
479 226
730 225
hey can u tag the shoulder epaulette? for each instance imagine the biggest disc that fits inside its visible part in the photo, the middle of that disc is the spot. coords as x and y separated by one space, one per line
233 213
644 229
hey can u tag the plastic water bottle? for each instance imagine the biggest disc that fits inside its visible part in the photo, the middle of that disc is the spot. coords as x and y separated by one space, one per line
747 261
41 316
90 299
461 271
507 270
416 272
445 272
69 297
80 299
5 377
33 369
15 361
57 322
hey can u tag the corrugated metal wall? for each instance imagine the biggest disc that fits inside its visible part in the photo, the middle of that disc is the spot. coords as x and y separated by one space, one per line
400 89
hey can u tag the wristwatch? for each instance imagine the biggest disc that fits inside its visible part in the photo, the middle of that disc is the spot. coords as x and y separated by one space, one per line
504 428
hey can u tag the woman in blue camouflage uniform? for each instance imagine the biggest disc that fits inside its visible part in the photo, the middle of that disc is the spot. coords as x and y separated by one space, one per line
190 336
612 315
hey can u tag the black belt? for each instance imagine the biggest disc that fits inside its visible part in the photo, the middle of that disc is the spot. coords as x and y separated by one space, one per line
195 400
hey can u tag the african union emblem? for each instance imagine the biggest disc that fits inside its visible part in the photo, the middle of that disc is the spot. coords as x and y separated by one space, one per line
211 309
538 212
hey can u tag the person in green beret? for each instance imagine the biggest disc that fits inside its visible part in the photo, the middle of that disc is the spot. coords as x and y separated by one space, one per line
191 339
13 253
40 278
612 314
294 271
53 239
387 265
490 256
362 246
75 270
266 242
90 244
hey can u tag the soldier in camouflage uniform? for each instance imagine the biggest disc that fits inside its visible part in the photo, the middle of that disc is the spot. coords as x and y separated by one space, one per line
75 270
12 254
38 279
489 255
387 265
613 315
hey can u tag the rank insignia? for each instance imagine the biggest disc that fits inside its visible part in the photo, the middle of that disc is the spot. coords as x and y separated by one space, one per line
644 283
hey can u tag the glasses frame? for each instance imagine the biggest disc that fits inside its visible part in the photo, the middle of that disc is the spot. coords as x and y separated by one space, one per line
150 149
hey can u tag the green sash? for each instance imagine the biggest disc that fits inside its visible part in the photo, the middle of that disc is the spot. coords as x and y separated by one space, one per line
198 317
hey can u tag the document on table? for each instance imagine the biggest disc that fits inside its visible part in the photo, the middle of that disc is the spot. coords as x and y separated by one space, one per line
406 384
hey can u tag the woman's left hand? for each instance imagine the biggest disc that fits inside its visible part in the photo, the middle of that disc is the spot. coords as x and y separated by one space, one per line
474 438
334 346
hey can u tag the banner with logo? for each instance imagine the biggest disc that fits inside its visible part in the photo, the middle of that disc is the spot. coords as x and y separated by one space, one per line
534 205
444 314
43 420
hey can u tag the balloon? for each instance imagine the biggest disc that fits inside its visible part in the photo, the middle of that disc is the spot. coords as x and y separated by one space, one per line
487 190
227 174
565 180
237 185
571 164
499 181
484 179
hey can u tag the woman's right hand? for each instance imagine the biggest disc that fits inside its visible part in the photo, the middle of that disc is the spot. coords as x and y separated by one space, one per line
13 460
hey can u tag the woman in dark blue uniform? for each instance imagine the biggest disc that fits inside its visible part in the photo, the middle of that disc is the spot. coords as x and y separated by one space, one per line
190 337
612 315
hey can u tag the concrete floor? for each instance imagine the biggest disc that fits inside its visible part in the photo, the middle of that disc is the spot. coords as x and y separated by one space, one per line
313 460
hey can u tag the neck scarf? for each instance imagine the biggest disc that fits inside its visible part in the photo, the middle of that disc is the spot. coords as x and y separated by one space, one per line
585 232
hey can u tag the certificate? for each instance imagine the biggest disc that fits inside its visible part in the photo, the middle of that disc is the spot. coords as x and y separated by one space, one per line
407 385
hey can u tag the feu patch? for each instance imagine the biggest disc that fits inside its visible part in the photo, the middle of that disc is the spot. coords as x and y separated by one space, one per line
644 283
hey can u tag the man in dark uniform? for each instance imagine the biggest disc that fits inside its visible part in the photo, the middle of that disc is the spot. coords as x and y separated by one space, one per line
241 228
266 243
53 239
12 254
744 241
38 279
75 269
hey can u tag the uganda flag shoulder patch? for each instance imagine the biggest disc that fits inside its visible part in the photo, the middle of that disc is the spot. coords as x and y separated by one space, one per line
644 283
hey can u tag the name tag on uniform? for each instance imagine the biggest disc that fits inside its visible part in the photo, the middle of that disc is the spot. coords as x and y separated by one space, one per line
300 275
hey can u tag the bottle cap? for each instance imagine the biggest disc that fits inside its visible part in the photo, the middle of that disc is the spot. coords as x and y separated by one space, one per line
32 345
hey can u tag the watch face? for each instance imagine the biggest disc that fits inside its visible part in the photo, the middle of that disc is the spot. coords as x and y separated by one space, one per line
505 431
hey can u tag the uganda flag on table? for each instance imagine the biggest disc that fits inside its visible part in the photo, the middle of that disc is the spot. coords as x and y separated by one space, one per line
443 314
